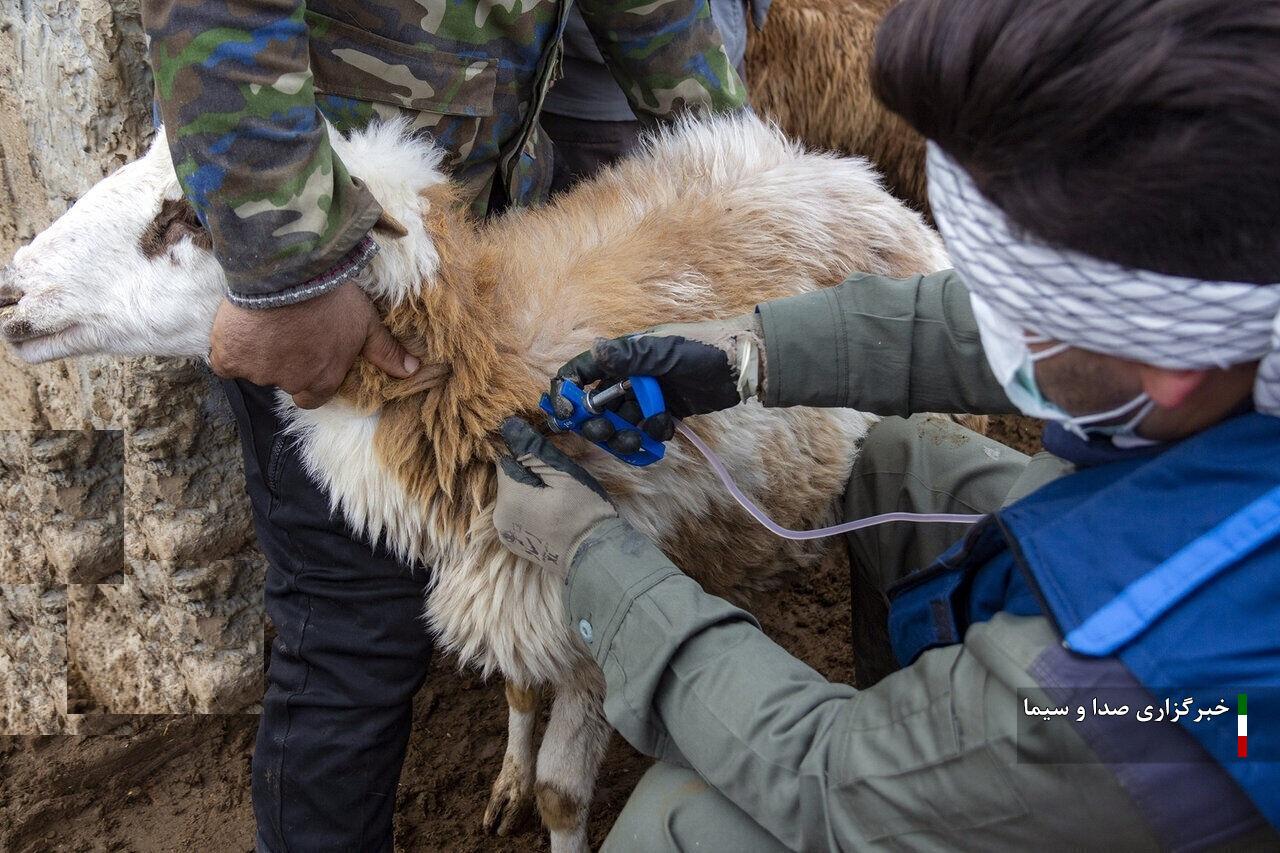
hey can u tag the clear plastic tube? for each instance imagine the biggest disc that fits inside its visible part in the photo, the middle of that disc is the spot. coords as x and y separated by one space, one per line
822 532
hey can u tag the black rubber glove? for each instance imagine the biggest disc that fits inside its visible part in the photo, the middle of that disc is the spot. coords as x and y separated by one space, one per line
701 368
546 502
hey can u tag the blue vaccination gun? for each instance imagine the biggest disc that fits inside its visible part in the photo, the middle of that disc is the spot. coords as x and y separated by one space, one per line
578 406
591 404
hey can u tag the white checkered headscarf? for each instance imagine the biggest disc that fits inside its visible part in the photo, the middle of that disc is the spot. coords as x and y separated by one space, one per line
1166 321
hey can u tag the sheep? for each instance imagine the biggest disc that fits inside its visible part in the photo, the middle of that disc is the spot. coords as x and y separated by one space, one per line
708 219
808 69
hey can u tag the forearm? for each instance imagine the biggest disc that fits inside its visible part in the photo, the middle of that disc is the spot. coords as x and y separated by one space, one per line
667 58
252 153
692 679
928 755
881 345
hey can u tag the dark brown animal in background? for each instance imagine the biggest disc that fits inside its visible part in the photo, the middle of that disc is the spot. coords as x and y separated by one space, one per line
809 71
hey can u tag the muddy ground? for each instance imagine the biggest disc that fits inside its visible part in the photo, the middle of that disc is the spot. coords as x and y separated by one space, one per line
182 782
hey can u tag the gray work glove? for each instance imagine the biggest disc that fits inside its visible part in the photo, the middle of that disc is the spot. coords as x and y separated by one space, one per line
701 368
546 502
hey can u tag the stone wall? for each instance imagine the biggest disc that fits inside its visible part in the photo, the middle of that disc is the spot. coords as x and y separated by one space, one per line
129 581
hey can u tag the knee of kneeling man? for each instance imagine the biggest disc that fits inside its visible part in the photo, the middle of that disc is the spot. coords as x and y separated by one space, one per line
895 444
890 444
656 811
675 809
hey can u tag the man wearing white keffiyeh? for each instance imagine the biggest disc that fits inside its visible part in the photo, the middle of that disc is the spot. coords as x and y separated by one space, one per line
1105 174
1143 317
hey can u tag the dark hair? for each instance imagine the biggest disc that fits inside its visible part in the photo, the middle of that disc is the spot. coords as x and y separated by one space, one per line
1144 132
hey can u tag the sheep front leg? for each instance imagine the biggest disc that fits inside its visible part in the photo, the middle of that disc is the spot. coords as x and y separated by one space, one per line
569 759
512 793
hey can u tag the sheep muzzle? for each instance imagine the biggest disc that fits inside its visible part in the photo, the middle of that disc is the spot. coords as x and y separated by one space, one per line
9 292
16 329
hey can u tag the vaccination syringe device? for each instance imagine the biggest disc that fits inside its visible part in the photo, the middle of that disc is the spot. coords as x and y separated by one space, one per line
573 407
587 405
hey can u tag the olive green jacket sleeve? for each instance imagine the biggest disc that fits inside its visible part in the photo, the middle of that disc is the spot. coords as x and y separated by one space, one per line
925 759
881 345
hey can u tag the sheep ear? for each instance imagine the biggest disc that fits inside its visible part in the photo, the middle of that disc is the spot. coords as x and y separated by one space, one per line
389 225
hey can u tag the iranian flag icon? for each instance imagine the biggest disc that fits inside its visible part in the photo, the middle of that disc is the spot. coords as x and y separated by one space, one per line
1242 729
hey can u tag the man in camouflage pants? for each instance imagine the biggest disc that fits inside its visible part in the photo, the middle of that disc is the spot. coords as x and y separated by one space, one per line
589 118
244 87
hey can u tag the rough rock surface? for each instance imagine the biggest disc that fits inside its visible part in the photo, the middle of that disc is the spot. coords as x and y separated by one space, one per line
74 96
33 659
180 628
61 507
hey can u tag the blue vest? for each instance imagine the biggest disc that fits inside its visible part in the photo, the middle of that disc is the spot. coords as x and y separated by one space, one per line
1164 570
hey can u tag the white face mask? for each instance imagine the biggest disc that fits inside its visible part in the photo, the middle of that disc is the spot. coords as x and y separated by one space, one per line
1013 364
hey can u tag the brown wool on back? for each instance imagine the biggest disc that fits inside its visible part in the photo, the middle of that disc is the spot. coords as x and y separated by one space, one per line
438 429
823 49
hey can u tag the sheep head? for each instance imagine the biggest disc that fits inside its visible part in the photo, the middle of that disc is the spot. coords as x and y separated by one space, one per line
129 269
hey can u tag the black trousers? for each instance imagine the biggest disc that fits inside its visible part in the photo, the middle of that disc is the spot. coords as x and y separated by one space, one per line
350 653
583 147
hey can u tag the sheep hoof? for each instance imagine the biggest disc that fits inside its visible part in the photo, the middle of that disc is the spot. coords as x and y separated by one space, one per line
510 804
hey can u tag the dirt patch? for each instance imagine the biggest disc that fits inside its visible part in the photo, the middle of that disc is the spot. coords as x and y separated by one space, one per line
182 782
1018 432
173 783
